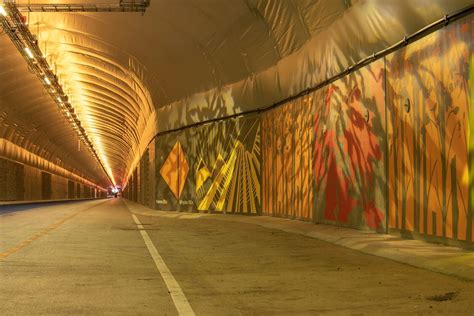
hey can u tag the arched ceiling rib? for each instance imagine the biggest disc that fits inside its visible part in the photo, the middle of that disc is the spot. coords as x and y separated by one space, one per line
111 102
31 120
185 61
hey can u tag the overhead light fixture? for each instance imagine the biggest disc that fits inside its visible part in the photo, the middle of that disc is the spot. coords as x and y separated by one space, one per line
13 23
2 11
122 6
29 52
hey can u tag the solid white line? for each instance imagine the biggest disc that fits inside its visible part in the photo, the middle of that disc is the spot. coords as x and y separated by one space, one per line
179 299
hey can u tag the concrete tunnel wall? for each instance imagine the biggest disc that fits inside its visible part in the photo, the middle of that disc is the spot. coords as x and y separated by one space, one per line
386 148
20 182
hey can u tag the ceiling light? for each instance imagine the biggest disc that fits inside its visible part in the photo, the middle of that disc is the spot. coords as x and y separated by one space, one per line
27 45
29 52
2 11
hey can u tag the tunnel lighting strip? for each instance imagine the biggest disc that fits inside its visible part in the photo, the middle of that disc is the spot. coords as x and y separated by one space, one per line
13 24
122 6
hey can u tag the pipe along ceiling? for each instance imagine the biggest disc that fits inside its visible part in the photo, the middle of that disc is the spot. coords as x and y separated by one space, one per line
132 75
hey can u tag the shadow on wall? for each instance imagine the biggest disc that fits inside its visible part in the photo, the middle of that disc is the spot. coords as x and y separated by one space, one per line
385 147
323 154
349 161
428 96
287 141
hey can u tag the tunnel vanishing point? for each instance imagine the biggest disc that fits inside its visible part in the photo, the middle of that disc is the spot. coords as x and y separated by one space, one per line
236 157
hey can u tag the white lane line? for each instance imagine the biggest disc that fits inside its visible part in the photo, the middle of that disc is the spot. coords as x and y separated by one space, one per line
179 299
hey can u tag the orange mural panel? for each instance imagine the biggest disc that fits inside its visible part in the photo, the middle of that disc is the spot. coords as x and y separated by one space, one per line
350 141
287 138
428 103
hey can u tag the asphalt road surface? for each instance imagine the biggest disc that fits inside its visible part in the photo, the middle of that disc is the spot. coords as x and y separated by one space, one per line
95 257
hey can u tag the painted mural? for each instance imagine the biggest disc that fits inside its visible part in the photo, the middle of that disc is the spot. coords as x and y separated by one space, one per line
323 154
349 172
213 167
428 99
227 166
287 177
386 147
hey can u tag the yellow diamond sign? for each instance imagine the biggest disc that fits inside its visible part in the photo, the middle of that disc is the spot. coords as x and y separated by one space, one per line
175 170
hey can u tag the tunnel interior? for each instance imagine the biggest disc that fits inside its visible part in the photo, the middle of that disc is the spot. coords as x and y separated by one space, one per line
352 113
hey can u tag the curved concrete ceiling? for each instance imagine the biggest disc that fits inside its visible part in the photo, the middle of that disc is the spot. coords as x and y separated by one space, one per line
130 76
30 119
